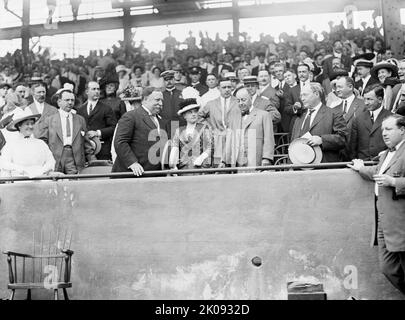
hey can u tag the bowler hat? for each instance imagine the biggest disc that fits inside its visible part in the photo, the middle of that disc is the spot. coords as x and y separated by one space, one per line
384 65
300 152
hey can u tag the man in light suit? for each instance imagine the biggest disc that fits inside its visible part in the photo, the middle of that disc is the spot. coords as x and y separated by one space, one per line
366 140
65 134
140 136
217 113
39 106
326 127
350 106
100 119
251 138
389 178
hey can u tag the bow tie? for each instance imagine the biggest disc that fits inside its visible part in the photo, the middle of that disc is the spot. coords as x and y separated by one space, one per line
27 137
245 113
392 149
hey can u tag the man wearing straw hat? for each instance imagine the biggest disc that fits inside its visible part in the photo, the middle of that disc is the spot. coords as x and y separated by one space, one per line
320 125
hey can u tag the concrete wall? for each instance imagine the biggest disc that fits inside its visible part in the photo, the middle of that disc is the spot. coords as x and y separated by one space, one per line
194 237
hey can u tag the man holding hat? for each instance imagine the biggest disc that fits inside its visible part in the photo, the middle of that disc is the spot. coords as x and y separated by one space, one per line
363 64
171 100
195 75
100 119
321 125
261 102
65 134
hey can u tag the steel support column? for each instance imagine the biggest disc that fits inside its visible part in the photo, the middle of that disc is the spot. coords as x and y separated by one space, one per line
126 22
25 30
393 31
235 19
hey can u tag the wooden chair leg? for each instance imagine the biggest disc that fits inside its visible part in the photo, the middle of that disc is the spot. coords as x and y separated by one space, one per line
65 294
29 294
55 294
12 294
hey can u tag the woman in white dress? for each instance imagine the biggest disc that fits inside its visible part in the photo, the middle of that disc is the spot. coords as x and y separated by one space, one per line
25 155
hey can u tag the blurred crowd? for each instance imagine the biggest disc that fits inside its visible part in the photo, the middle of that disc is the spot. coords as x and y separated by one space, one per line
102 87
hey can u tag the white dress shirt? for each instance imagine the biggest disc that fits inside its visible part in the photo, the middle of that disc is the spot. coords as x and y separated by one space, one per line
306 83
40 106
225 108
349 102
376 112
93 105
386 162
313 115
67 141
153 118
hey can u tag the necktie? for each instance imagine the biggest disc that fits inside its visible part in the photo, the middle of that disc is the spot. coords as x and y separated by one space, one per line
345 107
307 122
68 129
372 117
155 121
90 108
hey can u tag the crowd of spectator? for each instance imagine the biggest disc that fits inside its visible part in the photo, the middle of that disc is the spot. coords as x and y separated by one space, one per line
347 72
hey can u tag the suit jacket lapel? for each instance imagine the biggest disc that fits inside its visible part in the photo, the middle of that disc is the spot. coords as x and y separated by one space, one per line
58 125
318 117
95 110
377 122
367 120
395 158
246 123
148 121
351 111
34 108
76 127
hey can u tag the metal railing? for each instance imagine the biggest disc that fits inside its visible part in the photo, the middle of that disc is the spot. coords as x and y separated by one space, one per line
163 173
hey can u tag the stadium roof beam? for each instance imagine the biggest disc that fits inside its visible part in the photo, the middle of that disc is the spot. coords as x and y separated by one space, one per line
190 15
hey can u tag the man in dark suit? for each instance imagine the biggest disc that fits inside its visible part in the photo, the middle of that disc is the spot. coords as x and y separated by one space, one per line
326 127
65 134
266 90
389 178
195 76
363 64
262 64
140 136
366 140
39 106
171 99
350 106
261 102
293 104
337 53
100 119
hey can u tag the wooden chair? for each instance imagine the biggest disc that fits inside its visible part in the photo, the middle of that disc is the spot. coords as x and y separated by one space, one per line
50 268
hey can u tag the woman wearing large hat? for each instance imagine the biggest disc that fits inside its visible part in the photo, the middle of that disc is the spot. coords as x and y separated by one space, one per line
191 145
387 74
26 155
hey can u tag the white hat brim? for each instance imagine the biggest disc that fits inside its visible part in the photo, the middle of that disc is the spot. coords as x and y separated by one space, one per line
295 159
